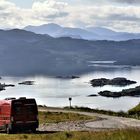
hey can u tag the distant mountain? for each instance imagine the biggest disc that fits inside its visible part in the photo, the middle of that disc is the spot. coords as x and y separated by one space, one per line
24 53
50 29
90 33
55 30
101 31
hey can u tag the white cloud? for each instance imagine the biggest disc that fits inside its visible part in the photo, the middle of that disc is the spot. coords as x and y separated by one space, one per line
108 16
8 13
49 10
49 7
119 17
41 12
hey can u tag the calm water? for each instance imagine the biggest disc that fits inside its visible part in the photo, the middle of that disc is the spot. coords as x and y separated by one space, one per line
55 92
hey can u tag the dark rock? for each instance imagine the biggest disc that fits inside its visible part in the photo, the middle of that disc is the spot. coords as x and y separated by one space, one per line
126 92
68 77
119 81
92 95
2 86
110 94
131 92
74 77
99 82
8 85
26 83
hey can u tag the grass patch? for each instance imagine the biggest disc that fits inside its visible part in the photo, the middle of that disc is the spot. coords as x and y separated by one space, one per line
55 117
135 112
100 111
132 113
107 135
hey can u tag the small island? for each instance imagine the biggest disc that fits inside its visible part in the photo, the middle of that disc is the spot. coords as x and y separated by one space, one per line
135 92
92 95
26 83
2 86
119 81
68 77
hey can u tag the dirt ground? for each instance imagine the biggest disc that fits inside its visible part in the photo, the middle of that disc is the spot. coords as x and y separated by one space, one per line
103 122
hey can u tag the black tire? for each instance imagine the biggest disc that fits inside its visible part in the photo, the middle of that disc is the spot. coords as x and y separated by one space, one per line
33 130
9 130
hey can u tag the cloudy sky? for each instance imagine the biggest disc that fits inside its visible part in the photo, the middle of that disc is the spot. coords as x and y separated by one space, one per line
120 15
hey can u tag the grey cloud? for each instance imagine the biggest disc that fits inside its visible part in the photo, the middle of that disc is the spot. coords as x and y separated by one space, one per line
122 17
128 1
50 17
118 17
105 1
2 8
58 15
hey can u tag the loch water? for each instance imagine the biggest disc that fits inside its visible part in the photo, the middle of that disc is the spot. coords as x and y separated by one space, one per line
55 92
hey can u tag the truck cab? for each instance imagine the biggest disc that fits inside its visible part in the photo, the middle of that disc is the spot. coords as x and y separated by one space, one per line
18 114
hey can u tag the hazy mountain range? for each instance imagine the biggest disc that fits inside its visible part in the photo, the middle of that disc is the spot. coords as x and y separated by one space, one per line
90 33
26 53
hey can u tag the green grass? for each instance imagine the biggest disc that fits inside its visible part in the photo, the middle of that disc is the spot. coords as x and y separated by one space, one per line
107 135
107 112
132 113
135 110
55 117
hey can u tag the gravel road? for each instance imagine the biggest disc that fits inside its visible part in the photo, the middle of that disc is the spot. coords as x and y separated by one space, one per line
103 122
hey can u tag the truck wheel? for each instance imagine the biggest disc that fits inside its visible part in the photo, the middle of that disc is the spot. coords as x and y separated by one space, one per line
33 130
9 130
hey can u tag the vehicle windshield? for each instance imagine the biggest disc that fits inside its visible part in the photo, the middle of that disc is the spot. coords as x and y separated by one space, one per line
20 108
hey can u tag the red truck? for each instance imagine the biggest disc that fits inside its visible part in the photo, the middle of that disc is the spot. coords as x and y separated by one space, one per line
18 114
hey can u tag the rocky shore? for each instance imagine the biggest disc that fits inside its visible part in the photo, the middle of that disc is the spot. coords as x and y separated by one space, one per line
119 81
93 95
68 77
2 86
126 92
26 83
